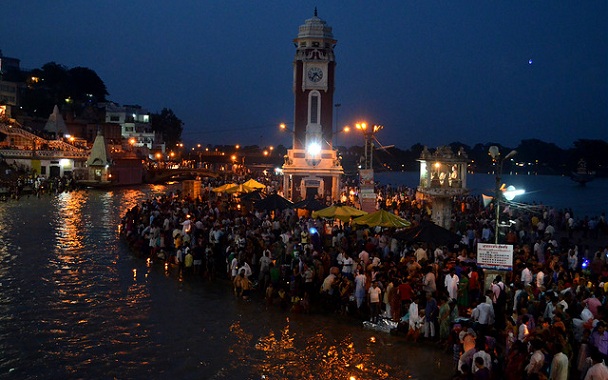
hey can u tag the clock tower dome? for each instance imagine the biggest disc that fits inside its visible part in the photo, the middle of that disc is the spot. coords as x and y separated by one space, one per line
312 167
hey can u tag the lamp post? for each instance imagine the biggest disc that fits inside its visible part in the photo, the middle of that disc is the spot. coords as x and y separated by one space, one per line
368 133
367 195
337 106
494 152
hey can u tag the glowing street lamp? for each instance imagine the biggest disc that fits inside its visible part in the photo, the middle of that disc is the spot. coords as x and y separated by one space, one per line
368 133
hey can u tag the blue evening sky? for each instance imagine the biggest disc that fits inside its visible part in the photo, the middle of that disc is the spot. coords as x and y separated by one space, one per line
431 72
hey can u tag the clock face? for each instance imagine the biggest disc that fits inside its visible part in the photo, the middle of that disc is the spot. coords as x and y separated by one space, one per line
315 74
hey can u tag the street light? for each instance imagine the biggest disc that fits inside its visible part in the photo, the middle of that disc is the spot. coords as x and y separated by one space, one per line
369 133
494 152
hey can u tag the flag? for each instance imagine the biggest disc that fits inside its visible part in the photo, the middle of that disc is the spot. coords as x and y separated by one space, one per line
486 200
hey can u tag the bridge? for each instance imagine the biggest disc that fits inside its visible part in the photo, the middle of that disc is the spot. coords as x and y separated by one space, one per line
157 175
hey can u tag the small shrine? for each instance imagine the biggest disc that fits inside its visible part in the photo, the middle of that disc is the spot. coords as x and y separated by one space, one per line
443 176
99 161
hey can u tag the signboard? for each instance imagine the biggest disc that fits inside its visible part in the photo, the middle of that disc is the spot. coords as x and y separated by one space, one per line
366 178
495 256
368 204
367 196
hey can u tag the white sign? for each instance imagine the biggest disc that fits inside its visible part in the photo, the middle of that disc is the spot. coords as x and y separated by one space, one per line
495 256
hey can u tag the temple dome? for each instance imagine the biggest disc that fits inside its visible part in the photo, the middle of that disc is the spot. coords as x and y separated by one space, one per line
315 28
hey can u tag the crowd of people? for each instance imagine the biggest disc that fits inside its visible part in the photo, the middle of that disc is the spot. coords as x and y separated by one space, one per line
544 319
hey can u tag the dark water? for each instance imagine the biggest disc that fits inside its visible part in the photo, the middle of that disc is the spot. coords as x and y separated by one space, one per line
555 191
74 303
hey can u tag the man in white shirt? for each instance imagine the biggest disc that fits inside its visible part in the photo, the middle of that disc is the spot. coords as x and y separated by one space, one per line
347 266
374 301
451 284
421 254
484 315
598 371
439 255
559 364
537 360
540 278
360 281
526 275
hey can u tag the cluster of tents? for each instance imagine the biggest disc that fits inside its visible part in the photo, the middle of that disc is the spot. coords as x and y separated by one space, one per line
425 231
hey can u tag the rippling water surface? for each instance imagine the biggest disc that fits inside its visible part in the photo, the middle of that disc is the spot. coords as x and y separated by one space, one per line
74 303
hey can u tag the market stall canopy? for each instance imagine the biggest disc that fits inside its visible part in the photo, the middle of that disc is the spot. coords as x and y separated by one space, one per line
252 196
382 218
273 202
344 213
222 189
239 189
252 183
309 204
428 232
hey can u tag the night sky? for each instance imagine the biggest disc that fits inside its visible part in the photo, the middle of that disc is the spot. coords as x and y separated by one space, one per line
431 72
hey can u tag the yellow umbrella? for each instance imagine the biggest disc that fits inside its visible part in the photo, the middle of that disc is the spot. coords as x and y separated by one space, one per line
344 213
221 189
239 189
382 218
252 183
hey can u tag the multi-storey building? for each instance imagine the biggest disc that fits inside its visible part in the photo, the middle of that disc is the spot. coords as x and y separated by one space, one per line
135 125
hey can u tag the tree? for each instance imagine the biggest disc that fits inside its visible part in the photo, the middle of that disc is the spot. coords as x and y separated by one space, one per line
169 126
58 85
85 86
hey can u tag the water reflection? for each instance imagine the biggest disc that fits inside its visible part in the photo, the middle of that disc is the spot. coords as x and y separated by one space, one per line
286 355
69 219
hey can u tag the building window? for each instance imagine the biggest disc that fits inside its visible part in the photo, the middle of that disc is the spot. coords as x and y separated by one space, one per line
114 118
314 107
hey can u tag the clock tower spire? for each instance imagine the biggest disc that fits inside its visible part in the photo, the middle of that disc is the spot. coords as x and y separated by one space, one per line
313 86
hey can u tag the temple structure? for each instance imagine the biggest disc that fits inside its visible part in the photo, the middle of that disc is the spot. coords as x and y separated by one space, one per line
443 176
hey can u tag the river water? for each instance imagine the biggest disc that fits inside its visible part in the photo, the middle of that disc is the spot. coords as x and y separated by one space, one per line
75 303
555 191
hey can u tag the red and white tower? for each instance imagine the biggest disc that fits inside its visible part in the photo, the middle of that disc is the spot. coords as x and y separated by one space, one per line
312 167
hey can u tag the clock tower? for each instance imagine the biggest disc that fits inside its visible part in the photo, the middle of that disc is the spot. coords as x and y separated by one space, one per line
312 167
